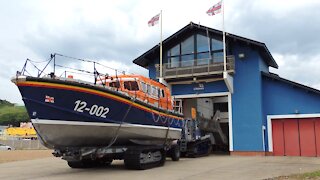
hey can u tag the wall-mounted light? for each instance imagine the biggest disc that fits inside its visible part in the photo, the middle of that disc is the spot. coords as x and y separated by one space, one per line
241 55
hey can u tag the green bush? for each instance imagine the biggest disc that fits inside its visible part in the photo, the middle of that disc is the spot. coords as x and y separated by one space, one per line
12 115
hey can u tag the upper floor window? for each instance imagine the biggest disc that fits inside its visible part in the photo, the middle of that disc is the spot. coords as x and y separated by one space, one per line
175 51
202 43
187 46
195 50
216 45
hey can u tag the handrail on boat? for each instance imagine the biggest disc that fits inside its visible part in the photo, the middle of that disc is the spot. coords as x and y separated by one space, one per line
98 76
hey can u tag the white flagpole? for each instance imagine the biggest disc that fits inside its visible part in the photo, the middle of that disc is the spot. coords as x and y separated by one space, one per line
210 55
160 78
224 40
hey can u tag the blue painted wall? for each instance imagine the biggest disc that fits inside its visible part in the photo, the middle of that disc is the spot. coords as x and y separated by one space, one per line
211 87
247 100
283 98
262 65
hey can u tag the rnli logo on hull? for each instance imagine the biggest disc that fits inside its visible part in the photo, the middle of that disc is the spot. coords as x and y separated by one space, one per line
49 99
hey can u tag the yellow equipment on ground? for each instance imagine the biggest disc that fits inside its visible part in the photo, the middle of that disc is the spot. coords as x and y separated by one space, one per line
20 132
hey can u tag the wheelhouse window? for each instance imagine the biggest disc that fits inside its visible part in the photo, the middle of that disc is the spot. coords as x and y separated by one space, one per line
131 85
155 91
144 86
162 93
115 84
149 89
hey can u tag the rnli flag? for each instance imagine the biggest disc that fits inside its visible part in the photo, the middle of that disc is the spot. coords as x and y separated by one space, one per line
154 20
49 99
215 9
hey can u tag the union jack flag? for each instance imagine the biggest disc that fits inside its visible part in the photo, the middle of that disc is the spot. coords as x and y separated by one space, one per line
49 99
154 20
215 9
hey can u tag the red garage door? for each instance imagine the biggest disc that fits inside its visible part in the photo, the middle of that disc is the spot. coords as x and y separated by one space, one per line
296 137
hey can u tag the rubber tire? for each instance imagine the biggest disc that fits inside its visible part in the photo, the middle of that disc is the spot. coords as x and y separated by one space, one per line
175 153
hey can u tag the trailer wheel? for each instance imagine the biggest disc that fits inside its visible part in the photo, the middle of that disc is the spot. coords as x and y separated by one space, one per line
175 153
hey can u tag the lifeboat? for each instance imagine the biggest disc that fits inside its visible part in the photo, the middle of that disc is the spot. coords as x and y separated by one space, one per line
115 110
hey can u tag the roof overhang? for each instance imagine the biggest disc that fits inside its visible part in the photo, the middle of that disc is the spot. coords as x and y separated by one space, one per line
278 78
191 28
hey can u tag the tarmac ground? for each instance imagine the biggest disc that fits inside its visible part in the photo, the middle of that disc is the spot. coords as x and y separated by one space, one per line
211 167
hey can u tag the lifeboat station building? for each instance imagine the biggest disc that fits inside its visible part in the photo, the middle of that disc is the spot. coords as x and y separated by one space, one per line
260 112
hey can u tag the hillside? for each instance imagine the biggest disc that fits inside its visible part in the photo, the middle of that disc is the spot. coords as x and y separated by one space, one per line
11 114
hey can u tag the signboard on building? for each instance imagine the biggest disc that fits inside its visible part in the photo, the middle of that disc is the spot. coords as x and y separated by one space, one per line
198 87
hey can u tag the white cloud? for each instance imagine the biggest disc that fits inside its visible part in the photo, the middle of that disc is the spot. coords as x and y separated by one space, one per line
116 32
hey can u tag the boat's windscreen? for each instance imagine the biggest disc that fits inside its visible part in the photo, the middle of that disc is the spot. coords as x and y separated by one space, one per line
115 84
131 85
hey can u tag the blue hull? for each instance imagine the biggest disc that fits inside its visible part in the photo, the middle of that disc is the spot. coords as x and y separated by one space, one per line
59 109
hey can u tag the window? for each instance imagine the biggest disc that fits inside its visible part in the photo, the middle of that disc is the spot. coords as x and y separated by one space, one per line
155 91
162 93
174 62
175 51
202 43
143 86
216 45
187 60
217 57
173 56
203 58
195 50
149 89
187 46
131 85
115 84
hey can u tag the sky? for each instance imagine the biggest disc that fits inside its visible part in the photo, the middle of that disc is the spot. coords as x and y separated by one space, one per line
116 32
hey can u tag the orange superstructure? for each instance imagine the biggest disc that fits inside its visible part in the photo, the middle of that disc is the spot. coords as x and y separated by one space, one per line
142 88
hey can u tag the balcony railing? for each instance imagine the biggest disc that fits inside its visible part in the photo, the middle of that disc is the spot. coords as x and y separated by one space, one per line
196 67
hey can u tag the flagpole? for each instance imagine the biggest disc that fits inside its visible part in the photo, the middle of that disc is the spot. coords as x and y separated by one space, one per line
210 55
160 78
224 40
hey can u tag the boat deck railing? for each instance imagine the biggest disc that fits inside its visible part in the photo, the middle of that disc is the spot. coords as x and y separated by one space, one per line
53 66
